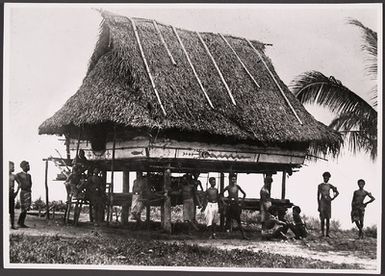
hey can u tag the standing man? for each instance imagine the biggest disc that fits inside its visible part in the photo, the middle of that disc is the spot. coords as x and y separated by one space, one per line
96 195
234 208
25 184
358 206
324 202
137 205
211 208
265 199
12 193
189 197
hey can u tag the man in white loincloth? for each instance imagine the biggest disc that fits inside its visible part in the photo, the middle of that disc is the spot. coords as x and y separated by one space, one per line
211 208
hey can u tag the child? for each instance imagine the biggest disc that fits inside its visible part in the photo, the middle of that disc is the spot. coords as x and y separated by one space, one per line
358 206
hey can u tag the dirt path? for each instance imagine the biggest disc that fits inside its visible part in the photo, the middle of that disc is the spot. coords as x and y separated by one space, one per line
309 250
290 248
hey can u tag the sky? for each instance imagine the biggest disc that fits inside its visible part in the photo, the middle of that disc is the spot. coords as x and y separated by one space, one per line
48 46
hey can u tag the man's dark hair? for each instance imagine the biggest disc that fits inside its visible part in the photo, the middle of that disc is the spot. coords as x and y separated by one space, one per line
211 178
23 163
232 174
361 180
326 174
297 209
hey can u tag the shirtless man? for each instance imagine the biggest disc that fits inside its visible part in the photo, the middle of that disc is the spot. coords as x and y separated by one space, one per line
234 208
137 205
12 194
324 202
25 184
211 208
265 199
188 192
358 206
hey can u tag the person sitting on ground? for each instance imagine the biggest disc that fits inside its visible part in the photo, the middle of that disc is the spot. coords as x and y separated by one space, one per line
189 195
358 206
234 208
96 195
298 227
273 228
211 208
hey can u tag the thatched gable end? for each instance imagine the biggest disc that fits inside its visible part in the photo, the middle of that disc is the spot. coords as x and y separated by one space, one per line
117 88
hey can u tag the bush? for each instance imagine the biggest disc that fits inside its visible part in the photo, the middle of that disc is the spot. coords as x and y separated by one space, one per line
38 204
371 231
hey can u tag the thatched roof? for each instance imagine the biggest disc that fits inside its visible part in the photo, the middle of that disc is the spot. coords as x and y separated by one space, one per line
117 89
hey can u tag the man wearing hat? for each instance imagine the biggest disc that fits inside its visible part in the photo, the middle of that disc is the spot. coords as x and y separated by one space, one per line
324 202
25 184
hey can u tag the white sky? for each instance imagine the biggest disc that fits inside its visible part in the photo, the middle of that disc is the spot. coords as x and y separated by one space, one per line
47 48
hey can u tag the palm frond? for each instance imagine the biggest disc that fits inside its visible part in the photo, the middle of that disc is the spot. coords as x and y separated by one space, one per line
369 46
315 87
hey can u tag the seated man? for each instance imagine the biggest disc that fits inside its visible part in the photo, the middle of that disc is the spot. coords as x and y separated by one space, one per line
298 227
273 228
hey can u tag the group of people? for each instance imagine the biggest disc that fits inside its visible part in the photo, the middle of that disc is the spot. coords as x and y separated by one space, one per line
24 181
86 181
358 204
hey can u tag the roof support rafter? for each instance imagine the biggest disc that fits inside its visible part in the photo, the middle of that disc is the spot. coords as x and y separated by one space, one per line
216 67
240 61
275 80
146 65
192 66
163 41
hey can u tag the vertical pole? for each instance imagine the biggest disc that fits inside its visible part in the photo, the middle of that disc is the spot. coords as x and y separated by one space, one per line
283 184
68 141
221 188
126 189
147 195
112 175
167 201
46 187
104 177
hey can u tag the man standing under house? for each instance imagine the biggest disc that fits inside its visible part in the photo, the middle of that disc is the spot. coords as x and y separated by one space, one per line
95 194
324 202
265 198
189 197
234 208
12 193
137 205
358 206
197 183
25 184
211 208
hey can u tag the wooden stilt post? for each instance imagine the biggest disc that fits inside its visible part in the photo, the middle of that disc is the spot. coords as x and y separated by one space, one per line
126 189
166 223
112 178
46 187
104 177
148 210
221 188
283 184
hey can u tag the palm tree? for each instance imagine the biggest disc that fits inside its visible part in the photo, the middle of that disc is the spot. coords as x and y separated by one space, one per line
356 118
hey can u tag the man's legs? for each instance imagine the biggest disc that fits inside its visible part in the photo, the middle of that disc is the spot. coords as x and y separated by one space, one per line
327 227
12 211
22 217
323 226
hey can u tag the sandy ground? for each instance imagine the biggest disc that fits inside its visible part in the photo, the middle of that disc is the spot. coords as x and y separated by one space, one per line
40 226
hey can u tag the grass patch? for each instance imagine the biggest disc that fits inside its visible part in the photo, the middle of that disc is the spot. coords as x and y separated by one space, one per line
102 250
